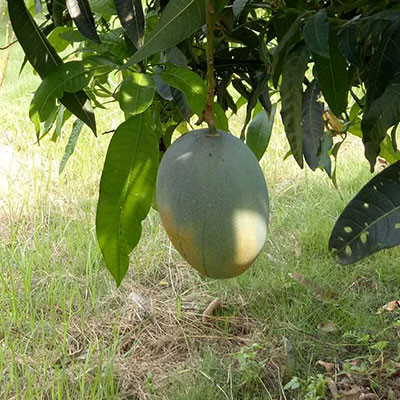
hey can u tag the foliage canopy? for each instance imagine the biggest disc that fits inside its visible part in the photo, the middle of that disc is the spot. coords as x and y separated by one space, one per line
333 66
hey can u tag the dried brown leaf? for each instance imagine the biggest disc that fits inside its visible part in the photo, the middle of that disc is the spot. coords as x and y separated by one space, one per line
390 307
332 388
329 367
321 293
353 394
216 303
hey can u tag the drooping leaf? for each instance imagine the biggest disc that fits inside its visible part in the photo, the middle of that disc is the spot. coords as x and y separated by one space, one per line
313 125
136 93
70 77
259 90
70 147
62 117
371 221
81 14
324 158
126 190
332 76
179 20
348 42
291 36
36 47
56 40
221 121
44 58
132 19
103 7
383 113
58 9
259 132
163 89
385 63
189 83
316 33
181 103
238 6
292 98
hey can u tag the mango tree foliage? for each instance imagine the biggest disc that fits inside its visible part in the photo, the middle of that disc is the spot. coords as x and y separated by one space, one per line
330 68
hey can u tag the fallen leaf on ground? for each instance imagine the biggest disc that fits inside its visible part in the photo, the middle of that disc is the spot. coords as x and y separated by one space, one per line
329 367
216 303
332 388
319 292
353 394
390 307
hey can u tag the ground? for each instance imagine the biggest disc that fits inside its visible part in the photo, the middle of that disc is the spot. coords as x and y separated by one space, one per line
296 325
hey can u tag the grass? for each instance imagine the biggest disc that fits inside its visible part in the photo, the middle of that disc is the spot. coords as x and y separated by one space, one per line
67 333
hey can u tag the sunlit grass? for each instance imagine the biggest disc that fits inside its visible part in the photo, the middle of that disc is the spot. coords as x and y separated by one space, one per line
67 333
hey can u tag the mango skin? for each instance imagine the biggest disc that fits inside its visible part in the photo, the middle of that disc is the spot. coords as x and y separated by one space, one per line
213 202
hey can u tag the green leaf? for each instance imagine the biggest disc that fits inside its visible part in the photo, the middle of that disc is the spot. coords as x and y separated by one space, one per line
62 117
238 6
103 7
189 83
58 9
70 77
180 19
384 64
383 113
221 122
324 158
348 42
371 221
56 40
132 19
36 47
259 87
388 152
316 33
136 93
70 147
332 76
126 190
44 58
289 38
259 132
313 125
292 98
81 14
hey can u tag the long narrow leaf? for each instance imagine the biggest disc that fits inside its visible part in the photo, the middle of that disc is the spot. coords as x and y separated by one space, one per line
259 132
132 19
313 125
44 58
292 98
348 41
383 113
58 9
332 76
126 190
70 147
385 63
371 221
179 19
316 33
80 12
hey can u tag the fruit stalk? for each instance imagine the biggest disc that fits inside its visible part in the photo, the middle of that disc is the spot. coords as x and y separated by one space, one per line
208 111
